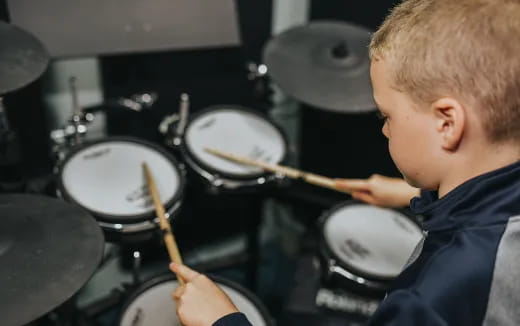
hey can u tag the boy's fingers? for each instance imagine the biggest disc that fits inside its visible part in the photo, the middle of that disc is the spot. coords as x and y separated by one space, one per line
363 196
184 272
177 294
351 184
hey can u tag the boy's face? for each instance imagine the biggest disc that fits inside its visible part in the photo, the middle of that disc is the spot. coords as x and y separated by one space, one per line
411 140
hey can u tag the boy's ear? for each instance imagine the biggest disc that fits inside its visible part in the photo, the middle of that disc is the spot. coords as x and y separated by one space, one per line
451 119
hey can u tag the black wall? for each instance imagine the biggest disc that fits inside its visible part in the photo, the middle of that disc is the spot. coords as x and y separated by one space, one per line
215 76
25 112
369 13
346 145
209 76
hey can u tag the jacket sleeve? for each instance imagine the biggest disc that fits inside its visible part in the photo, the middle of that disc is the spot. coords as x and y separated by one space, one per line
234 319
405 308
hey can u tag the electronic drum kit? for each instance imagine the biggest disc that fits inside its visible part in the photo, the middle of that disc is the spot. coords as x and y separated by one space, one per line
50 247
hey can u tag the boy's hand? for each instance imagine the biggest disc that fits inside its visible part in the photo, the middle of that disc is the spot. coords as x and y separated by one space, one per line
200 302
380 190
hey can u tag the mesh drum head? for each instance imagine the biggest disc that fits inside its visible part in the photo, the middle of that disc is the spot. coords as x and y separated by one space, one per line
238 132
373 241
107 178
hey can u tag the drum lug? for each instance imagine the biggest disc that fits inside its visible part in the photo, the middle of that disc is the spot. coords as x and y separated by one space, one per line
216 182
280 176
136 267
256 71
331 267
169 142
316 263
177 141
182 167
173 142
281 179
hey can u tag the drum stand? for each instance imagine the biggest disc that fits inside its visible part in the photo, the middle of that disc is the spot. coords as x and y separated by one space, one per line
89 313
11 179
253 247
65 315
260 84
173 127
74 132
310 303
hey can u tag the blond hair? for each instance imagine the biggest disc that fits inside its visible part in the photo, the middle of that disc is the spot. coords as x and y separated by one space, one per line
464 48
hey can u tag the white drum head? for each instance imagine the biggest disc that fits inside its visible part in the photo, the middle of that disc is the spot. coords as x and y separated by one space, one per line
107 178
374 241
155 307
238 132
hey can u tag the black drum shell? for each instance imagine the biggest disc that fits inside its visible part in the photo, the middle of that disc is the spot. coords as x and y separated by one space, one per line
375 287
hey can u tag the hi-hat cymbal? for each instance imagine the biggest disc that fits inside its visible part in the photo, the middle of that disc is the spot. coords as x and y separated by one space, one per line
23 58
48 251
324 64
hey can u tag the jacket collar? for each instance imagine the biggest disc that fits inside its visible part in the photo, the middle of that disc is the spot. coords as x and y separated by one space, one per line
488 198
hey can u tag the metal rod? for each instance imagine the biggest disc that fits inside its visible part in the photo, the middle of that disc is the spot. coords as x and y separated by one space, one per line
184 106
4 123
76 110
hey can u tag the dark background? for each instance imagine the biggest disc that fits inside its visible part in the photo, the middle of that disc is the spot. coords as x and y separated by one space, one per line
216 76
331 143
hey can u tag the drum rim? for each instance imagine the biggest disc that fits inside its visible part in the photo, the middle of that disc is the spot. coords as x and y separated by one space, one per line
140 289
121 219
327 253
232 107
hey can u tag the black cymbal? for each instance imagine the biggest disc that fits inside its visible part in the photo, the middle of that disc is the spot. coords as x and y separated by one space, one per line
48 251
324 64
23 58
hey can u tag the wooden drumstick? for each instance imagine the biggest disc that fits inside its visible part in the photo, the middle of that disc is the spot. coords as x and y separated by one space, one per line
169 239
293 173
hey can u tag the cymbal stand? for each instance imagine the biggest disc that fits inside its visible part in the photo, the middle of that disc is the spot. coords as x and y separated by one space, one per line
137 102
257 75
11 178
119 293
136 267
74 132
5 129
174 125
4 124
256 71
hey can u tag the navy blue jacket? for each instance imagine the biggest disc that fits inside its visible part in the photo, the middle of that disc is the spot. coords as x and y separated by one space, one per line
468 269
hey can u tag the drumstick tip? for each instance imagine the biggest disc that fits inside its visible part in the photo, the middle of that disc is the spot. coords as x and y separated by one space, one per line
218 153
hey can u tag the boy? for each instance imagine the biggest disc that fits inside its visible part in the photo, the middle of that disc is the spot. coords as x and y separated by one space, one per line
446 77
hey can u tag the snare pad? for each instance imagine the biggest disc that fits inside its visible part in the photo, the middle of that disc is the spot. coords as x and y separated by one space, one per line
238 132
107 178
375 242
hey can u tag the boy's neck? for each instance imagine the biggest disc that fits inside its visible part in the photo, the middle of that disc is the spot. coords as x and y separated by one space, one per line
484 160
